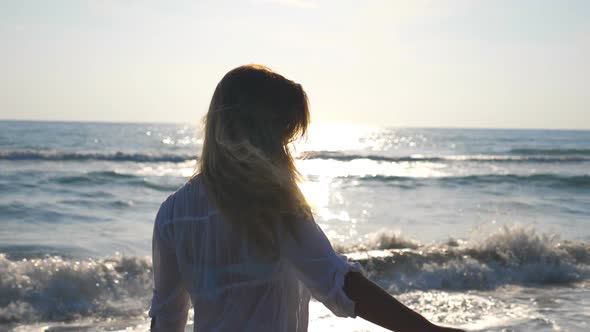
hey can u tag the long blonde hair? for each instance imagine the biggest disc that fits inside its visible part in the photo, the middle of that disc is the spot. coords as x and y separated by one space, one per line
246 163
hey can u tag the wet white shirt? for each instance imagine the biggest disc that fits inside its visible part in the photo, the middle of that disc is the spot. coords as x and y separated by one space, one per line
198 258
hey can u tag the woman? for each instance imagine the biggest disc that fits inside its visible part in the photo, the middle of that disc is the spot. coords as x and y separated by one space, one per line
238 240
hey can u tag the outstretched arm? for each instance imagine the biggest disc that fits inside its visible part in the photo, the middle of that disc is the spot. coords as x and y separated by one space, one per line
379 307
338 285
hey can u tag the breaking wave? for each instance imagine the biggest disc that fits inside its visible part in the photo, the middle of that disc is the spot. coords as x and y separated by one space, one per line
510 256
54 288
60 289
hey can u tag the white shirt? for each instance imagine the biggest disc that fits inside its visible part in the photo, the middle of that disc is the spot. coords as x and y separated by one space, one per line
197 256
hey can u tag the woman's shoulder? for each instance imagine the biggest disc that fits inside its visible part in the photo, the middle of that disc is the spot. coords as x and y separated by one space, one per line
192 187
189 200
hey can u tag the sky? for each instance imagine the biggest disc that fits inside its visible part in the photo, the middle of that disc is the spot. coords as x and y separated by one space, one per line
438 63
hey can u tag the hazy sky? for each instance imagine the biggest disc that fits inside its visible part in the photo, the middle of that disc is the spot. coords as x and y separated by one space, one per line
517 63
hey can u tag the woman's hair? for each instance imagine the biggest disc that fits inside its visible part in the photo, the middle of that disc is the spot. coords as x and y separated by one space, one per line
246 163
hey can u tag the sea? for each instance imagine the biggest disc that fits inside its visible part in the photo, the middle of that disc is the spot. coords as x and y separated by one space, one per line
483 229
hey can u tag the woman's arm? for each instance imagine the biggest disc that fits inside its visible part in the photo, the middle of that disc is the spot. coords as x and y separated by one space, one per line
336 284
379 307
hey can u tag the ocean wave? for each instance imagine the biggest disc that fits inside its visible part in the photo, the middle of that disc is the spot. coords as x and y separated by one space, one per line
527 156
56 289
552 152
112 177
81 156
483 158
510 256
551 180
59 289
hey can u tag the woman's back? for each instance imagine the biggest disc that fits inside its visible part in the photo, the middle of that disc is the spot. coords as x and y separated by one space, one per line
201 256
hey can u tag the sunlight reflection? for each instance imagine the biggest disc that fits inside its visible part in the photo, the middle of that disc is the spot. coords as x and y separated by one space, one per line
316 192
325 137
365 168
184 169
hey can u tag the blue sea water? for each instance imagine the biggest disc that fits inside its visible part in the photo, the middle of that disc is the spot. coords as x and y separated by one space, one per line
481 228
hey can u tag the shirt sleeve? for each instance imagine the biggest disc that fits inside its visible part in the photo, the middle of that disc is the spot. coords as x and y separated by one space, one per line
170 301
319 267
